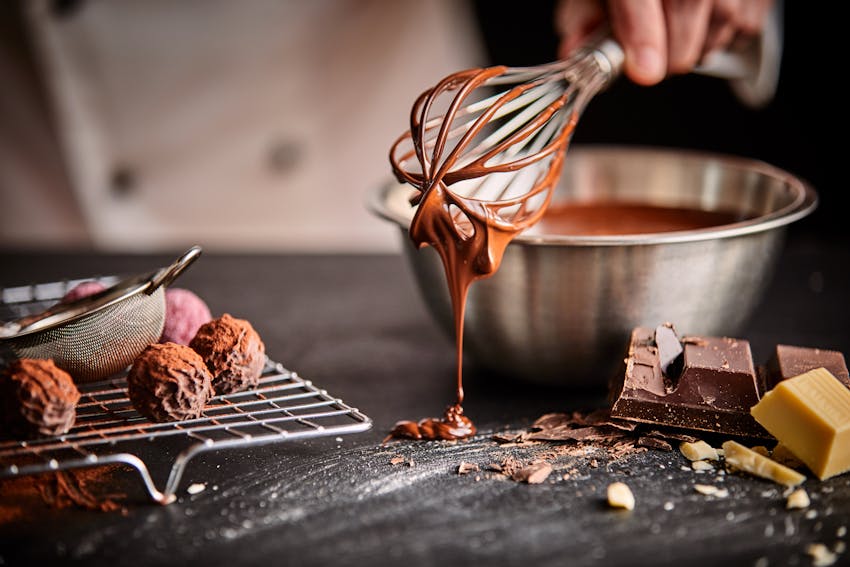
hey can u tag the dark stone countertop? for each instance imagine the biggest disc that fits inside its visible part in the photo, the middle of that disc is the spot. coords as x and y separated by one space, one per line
356 326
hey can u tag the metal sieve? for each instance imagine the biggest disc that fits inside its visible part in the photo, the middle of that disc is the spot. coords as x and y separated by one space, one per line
100 335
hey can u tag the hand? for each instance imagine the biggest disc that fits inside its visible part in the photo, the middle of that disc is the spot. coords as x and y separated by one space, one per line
661 37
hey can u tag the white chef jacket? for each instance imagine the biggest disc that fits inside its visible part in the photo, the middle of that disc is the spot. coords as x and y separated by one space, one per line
259 125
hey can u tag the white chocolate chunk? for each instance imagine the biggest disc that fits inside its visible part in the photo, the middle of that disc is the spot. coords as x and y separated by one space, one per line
749 461
620 496
798 499
698 451
821 555
710 490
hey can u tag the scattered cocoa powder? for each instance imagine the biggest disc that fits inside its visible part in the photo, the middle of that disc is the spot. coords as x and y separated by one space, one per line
89 489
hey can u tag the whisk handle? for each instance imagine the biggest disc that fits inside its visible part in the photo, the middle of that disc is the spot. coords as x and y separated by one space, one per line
609 56
165 276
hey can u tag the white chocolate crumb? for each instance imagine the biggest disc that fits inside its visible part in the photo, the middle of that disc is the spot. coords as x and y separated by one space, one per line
798 499
710 490
820 554
840 547
668 506
196 488
698 451
789 526
841 531
702 466
620 496
811 514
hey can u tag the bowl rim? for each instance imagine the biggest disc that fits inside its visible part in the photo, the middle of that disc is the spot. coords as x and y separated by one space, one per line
804 204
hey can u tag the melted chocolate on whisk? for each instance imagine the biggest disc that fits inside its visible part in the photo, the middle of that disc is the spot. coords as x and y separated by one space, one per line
470 236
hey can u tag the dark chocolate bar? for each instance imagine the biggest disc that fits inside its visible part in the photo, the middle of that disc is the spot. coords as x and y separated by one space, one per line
714 390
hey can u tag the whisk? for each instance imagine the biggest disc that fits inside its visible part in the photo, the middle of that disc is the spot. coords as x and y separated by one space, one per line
486 146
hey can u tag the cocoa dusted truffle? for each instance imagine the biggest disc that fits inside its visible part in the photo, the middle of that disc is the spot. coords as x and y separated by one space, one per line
38 398
233 352
169 382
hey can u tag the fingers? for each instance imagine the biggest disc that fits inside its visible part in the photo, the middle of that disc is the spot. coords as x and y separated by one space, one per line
687 26
722 26
575 20
639 26
661 37
752 15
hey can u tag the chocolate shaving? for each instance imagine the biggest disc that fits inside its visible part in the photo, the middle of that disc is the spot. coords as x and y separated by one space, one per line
506 438
653 443
466 468
671 435
577 434
534 473
511 465
597 417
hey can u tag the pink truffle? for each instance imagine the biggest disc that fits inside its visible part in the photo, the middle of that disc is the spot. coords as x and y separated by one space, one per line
82 290
185 312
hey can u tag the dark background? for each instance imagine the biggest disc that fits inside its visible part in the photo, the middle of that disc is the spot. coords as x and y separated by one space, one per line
795 131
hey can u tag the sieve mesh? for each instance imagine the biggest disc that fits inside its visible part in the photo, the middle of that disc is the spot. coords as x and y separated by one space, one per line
101 343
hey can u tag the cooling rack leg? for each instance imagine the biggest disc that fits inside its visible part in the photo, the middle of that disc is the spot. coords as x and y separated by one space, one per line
132 460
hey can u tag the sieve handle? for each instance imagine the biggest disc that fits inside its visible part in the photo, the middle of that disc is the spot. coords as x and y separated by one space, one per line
166 275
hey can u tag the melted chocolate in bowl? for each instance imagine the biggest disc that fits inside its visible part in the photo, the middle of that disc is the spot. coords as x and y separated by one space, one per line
601 218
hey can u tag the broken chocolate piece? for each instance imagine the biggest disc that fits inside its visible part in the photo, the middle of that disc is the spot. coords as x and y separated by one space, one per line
669 350
788 361
714 392
534 473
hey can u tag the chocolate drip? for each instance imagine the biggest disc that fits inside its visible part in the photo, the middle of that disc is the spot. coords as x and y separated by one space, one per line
470 235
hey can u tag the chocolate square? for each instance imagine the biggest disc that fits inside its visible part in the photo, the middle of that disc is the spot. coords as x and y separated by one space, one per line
788 361
714 392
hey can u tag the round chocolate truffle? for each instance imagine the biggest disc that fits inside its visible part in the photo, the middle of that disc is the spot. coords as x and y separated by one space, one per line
169 382
38 398
233 352
185 312
81 290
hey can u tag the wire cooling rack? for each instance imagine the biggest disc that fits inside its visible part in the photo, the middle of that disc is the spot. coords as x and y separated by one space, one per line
108 430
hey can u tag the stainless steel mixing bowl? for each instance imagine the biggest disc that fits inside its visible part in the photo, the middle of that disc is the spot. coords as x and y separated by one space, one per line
560 308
